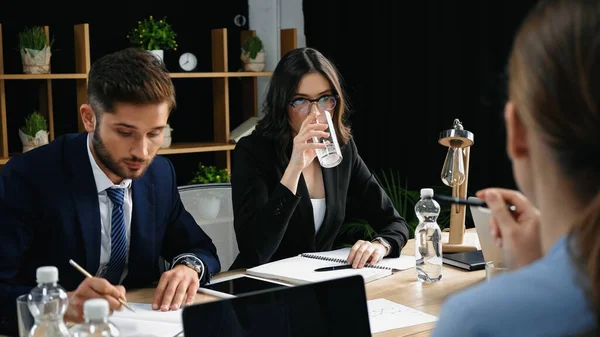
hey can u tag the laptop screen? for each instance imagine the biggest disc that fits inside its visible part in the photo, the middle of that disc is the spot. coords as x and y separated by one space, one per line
335 307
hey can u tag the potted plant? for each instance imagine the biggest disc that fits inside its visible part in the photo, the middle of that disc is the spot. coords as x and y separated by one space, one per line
35 131
209 204
155 36
253 54
35 50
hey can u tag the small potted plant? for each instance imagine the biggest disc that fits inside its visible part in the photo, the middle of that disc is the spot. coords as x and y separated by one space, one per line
35 131
253 54
155 36
35 50
209 204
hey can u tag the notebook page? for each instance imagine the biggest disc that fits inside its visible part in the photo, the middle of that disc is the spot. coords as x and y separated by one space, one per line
144 312
147 322
129 327
299 270
402 263
387 315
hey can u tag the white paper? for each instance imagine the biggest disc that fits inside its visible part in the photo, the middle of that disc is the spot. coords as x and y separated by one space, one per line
387 315
147 322
402 262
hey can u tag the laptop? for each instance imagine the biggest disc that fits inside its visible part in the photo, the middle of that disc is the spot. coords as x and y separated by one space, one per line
336 307
481 219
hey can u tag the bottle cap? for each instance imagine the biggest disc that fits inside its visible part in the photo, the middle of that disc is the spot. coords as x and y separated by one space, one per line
96 308
426 192
47 274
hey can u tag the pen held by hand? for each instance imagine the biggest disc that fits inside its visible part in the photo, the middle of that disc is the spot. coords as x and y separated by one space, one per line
468 202
87 274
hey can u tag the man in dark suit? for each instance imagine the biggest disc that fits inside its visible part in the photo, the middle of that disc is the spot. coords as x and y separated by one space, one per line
103 199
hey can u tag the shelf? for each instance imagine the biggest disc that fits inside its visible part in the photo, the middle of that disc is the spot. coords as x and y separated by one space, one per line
42 76
221 74
178 148
3 160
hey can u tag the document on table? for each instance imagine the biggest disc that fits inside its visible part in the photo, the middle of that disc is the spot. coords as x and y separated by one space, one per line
147 322
387 315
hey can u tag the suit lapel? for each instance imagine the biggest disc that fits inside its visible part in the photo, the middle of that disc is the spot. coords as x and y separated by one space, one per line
331 182
143 229
85 198
306 212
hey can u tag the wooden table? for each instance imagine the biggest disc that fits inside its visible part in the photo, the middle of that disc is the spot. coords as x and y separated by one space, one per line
401 287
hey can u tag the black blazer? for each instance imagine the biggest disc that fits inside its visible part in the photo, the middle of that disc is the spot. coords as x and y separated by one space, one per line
49 214
271 223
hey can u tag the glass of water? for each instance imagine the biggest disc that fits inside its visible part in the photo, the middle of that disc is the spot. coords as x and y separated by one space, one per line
331 155
25 318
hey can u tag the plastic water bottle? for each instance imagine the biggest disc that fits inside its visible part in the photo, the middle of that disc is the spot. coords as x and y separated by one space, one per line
428 238
47 303
95 313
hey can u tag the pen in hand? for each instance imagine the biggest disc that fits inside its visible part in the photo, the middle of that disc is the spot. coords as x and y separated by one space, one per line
469 202
85 272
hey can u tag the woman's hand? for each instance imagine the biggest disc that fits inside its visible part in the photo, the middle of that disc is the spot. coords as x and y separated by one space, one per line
366 252
518 233
304 152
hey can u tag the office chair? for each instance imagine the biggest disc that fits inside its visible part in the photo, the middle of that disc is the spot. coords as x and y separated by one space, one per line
210 205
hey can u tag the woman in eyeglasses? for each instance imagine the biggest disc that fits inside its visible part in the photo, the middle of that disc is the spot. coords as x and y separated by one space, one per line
284 202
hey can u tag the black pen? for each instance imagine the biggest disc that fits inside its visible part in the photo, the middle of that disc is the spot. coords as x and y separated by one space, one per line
332 268
469 202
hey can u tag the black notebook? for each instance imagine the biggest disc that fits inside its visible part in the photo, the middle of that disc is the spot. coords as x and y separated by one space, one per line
472 260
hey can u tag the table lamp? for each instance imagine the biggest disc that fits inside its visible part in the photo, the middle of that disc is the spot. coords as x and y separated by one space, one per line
455 174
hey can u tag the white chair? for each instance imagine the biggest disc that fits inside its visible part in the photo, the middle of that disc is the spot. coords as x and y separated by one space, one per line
210 205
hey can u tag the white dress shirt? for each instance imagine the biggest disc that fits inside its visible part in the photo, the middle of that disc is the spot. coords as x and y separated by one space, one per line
319 208
103 183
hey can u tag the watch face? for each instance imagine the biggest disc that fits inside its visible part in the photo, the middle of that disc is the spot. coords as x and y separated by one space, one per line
188 61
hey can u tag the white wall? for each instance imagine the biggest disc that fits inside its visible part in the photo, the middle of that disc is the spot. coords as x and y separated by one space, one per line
267 17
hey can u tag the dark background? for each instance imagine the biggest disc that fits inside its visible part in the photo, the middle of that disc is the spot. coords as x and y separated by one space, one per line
410 68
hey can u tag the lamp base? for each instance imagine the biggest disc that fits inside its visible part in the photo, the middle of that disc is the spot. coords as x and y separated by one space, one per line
470 243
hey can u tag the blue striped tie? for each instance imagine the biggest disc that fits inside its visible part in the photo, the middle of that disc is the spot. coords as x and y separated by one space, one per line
118 237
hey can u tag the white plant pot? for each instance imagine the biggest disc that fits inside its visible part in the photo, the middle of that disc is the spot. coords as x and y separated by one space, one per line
30 143
167 137
36 61
159 53
208 207
253 64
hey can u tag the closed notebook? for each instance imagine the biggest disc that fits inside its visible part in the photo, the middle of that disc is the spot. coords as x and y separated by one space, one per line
472 260
301 269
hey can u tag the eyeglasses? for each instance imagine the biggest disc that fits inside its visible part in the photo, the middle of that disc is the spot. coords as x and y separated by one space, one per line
326 102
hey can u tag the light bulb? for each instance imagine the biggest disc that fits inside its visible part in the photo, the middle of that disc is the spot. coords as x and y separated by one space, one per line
453 171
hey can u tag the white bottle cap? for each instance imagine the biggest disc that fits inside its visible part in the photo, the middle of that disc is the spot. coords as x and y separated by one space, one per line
427 192
47 274
95 309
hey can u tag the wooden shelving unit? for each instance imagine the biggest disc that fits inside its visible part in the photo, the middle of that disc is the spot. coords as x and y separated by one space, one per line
219 75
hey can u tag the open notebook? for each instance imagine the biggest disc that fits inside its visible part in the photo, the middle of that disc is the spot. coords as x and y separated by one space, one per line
301 269
147 322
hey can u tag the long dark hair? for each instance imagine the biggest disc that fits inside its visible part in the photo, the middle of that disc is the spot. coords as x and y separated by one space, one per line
554 81
289 71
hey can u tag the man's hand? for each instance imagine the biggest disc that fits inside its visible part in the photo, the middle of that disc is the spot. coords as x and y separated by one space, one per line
365 252
93 287
176 287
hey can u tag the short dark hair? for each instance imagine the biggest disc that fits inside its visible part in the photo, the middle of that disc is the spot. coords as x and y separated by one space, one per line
131 75
284 81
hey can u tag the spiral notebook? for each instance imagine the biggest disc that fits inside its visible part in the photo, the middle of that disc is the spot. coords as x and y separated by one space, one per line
301 269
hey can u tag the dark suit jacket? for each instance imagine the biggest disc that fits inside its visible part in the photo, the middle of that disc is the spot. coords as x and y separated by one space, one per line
49 213
271 223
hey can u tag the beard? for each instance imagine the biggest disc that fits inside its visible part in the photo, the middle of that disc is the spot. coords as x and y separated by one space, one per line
112 164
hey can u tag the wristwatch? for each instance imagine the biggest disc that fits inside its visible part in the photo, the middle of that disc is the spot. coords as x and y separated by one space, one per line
190 262
385 243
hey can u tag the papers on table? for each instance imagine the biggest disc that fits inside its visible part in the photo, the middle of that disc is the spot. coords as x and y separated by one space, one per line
147 322
387 315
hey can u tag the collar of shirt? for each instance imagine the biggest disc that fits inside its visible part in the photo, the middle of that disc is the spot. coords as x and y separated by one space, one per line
101 179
